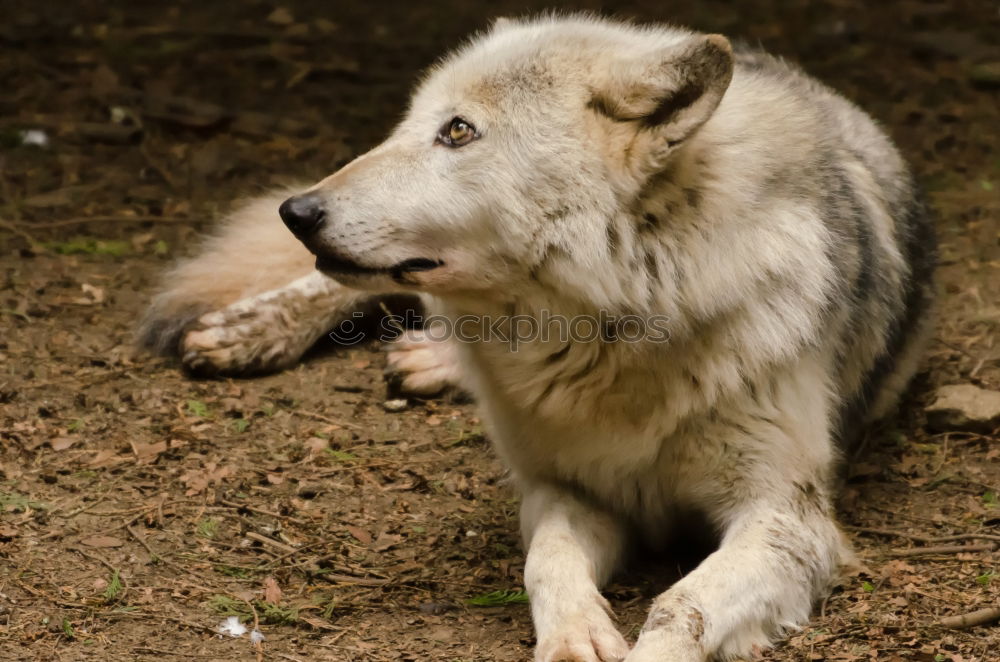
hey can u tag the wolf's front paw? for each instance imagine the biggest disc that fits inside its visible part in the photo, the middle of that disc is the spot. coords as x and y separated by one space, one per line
660 646
584 636
241 338
423 365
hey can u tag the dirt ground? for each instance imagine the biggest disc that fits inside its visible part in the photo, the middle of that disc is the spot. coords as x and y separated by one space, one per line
139 508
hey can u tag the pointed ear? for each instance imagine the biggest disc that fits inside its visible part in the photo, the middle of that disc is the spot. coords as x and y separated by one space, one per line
665 96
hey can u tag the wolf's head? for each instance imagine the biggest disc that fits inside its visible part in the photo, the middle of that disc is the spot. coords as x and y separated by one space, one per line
516 153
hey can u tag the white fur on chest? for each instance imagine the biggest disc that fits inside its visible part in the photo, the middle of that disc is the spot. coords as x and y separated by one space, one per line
605 419
645 431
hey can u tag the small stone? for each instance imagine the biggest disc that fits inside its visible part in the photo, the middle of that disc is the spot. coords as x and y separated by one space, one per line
964 407
395 405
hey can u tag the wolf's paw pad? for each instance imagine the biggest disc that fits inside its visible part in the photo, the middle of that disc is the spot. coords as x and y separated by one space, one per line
583 639
238 339
422 365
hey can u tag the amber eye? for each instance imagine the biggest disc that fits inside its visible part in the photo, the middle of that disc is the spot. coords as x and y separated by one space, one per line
457 132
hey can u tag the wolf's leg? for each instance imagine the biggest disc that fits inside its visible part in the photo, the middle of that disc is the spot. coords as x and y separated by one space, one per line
778 554
248 253
425 363
572 549
268 331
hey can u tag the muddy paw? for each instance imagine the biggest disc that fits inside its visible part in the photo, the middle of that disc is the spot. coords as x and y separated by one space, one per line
421 365
583 637
240 339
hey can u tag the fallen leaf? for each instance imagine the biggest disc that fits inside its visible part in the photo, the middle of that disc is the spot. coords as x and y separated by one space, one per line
385 541
62 443
197 480
146 453
106 458
92 295
272 592
359 533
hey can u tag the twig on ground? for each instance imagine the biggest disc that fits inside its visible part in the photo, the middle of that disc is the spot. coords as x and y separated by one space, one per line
84 508
264 540
54 600
261 511
109 219
257 645
187 623
94 557
324 419
971 619
160 651
34 243
279 559
159 558
335 578
142 541
922 538
942 549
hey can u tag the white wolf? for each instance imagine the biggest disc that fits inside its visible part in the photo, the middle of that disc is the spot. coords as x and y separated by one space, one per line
574 166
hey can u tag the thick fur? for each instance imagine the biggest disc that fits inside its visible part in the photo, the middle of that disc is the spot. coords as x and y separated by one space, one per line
250 300
650 172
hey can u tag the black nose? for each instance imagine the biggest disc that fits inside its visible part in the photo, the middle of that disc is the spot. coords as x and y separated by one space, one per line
303 214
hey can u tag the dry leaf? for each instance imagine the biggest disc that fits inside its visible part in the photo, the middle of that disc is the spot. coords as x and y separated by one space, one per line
106 458
315 446
146 453
62 443
92 295
197 480
386 541
272 592
359 533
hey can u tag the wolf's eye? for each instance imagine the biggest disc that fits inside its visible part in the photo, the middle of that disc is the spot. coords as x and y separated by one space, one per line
457 132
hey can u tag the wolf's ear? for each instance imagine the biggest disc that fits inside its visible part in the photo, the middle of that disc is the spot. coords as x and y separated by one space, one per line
666 95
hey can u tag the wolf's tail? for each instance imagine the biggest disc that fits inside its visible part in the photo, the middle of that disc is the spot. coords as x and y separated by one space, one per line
250 252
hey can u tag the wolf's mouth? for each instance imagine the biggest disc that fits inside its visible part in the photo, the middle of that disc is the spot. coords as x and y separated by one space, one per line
338 265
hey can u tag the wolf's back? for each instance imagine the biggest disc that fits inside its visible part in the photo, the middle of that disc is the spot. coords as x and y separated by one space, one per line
881 239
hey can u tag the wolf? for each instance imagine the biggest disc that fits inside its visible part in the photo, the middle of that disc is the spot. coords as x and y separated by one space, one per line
583 167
